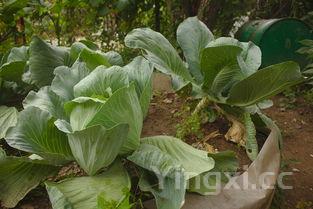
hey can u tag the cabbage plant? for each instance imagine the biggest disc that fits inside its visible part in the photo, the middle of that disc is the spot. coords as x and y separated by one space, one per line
31 67
13 87
221 71
91 112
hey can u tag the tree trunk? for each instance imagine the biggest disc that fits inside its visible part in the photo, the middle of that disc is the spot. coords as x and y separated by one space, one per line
157 15
20 38
191 7
203 6
210 15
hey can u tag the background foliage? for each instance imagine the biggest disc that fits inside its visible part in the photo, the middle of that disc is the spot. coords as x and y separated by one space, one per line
107 22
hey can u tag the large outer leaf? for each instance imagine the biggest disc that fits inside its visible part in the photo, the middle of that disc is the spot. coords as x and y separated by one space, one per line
20 175
66 78
169 189
114 58
193 36
154 159
82 192
91 45
12 71
36 133
270 124
265 83
76 49
16 64
194 161
252 148
18 54
122 107
220 68
140 71
8 118
102 82
93 59
63 126
46 100
226 163
159 51
97 147
250 57
172 193
43 59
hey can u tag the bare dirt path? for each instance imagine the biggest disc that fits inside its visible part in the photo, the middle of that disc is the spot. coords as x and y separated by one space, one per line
297 128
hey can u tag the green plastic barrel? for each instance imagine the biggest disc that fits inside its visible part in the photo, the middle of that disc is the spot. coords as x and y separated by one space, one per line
277 38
